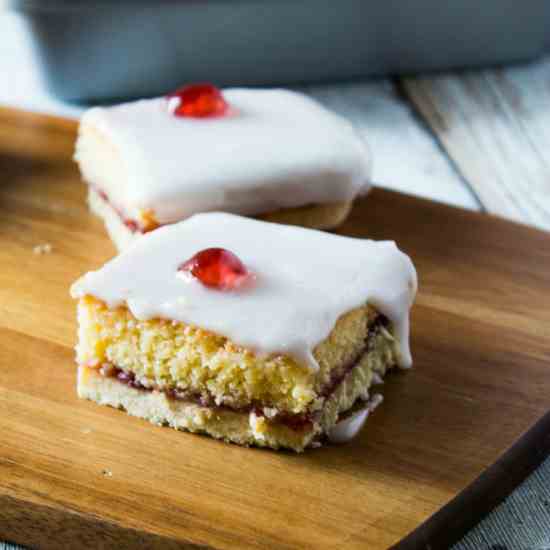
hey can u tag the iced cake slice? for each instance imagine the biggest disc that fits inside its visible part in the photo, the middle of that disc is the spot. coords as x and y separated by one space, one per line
251 332
273 154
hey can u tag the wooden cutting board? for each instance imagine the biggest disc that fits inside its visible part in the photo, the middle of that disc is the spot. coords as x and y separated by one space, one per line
76 475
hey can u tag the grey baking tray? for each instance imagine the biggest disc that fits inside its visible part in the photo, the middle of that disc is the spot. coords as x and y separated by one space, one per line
101 49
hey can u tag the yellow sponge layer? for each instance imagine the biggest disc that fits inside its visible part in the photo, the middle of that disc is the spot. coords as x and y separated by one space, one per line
173 355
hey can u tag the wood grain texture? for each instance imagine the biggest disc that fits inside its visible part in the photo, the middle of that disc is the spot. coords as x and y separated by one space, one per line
405 155
495 125
36 136
482 377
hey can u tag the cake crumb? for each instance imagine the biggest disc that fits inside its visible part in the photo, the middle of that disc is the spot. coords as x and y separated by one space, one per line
45 248
258 426
86 431
107 473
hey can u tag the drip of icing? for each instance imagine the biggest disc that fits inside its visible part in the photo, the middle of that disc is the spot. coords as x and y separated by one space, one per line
304 281
274 149
349 427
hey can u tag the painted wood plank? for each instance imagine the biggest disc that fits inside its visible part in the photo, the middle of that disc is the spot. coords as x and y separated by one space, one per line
406 157
495 125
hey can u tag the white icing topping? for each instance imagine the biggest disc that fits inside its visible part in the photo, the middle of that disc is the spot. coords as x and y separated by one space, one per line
345 430
277 149
304 280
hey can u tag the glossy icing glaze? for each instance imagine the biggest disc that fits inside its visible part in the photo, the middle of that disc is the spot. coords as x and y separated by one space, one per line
275 149
302 282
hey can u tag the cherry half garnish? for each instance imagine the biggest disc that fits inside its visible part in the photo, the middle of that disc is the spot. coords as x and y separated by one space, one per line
198 101
216 268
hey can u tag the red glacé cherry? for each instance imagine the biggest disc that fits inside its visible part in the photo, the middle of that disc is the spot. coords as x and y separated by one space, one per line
216 268
199 101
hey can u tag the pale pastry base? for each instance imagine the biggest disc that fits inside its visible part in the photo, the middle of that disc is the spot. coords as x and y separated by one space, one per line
322 216
242 428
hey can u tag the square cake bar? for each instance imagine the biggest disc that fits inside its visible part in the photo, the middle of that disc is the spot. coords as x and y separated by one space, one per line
243 330
273 154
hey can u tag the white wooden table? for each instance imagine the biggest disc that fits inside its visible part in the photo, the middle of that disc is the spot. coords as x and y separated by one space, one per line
478 140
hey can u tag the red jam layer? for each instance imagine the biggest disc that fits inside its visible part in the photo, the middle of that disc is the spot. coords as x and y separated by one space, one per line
132 225
337 378
296 422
